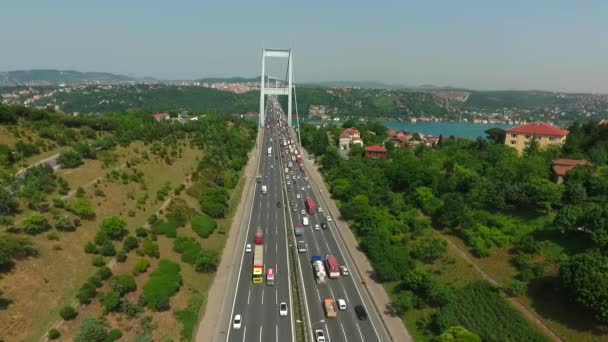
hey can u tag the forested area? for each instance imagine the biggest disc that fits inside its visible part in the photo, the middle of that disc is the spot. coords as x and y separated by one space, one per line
491 198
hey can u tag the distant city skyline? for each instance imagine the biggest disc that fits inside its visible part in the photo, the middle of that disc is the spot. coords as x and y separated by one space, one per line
480 45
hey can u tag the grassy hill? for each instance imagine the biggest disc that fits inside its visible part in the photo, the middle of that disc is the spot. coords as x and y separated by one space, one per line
19 77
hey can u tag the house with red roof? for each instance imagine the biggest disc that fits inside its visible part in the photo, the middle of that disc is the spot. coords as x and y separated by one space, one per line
399 138
348 137
560 167
161 116
519 137
375 152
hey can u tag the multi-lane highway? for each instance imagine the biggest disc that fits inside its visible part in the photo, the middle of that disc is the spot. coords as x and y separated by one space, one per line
258 304
276 212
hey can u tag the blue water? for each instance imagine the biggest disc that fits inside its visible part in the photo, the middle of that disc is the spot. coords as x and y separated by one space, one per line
457 129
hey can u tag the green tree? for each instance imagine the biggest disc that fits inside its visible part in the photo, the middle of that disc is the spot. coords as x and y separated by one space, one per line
428 249
68 313
207 261
12 248
65 224
110 301
8 204
83 208
496 135
114 228
402 302
123 284
427 200
69 159
585 277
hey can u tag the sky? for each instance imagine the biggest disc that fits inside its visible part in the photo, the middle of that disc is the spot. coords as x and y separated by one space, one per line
477 44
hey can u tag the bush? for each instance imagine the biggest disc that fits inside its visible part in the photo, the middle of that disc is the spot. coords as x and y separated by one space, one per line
107 248
90 248
516 288
65 224
130 243
152 219
53 334
163 283
207 261
189 249
429 250
98 261
114 335
114 228
86 292
36 224
82 208
69 159
150 248
141 266
167 228
110 301
141 232
92 330
121 256
104 273
123 284
203 225
68 313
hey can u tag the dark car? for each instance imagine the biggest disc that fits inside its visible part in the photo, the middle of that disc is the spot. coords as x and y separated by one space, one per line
324 225
361 314
292 204
278 204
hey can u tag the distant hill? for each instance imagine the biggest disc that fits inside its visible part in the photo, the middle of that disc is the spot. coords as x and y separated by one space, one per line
21 77
229 79
531 99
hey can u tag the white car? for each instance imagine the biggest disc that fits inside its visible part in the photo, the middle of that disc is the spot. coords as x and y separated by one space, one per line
298 196
308 186
283 309
342 304
248 248
320 210
299 177
303 189
328 218
306 179
288 182
302 212
319 336
236 324
317 227
344 270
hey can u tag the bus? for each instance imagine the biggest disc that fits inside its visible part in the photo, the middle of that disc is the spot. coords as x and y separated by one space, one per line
310 205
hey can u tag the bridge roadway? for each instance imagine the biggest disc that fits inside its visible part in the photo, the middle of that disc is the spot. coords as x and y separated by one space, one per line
346 326
258 304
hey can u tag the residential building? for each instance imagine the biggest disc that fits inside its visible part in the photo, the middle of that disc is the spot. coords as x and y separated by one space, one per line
161 116
348 137
546 134
561 166
375 152
399 138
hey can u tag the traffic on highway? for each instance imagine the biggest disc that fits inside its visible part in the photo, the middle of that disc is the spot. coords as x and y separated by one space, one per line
286 201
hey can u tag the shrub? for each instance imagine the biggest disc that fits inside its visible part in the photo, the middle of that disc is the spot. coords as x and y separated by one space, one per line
516 288
82 208
53 334
167 228
36 224
104 273
92 330
86 292
203 225
130 243
152 219
80 192
121 256
65 224
163 283
68 313
90 248
150 248
123 284
428 250
69 159
114 335
107 248
114 228
189 249
206 261
98 261
141 266
110 301
141 232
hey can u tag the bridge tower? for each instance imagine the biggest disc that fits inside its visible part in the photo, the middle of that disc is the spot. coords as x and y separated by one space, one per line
285 88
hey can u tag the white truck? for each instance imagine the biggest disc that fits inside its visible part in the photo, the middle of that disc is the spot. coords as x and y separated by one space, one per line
270 151
319 269
264 189
305 220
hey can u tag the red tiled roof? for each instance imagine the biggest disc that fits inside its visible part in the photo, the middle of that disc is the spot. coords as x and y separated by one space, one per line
562 169
541 128
570 162
603 122
160 115
375 148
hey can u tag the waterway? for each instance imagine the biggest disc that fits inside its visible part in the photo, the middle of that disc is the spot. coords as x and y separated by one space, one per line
457 129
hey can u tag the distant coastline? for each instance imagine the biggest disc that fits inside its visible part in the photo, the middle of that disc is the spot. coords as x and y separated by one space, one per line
446 128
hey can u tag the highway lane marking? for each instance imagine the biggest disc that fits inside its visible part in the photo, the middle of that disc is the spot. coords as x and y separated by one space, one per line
244 333
248 294
344 332
276 296
261 326
327 330
276 331
353 274
255 185
360 334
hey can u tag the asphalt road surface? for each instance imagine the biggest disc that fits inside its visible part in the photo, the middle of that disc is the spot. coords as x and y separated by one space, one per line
258 304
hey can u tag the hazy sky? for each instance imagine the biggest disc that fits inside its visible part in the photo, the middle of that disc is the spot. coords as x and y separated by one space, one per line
485 44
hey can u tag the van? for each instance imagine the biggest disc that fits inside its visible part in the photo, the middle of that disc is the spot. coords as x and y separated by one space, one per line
305 220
